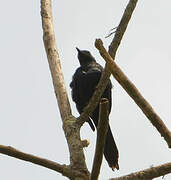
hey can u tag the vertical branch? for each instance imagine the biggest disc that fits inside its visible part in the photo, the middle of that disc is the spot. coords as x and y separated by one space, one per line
53 59
101 136
71 129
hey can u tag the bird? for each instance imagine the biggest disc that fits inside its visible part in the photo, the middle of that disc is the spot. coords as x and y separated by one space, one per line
83 85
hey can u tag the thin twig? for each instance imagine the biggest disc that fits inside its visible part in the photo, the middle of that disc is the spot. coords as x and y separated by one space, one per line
101 136
112 31
148 174
134 93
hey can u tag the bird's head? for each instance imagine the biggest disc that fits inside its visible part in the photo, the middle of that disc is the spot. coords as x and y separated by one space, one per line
85 57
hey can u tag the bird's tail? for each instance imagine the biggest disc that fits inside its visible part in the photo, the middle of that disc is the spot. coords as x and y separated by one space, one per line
111 151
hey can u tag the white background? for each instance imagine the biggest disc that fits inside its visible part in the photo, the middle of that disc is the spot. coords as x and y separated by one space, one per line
29 115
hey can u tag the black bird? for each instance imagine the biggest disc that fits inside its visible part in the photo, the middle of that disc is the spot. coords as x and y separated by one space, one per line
84 82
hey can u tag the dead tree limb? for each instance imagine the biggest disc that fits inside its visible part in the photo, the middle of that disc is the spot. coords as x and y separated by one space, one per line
71 129
53 59
148 174
101 136
63 169
77 167
134 93
122 28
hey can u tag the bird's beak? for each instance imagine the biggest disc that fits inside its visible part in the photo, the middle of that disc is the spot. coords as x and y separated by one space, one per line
78 50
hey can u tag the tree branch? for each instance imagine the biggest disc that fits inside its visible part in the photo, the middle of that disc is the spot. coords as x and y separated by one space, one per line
122 28
134 93
63 169
71 129
101 136
112 51
148 174
53 59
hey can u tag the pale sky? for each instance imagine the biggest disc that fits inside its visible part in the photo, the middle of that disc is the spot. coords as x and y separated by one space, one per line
30 119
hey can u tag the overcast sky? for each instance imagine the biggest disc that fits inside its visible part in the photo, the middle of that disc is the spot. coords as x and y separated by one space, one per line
29 115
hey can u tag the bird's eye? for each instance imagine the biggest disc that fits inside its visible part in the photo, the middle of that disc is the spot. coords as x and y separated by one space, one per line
87 53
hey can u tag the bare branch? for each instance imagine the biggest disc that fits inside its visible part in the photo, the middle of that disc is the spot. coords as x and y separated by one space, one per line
71 129
148 174
53 59
112 51
101 136
122 27
63 169
134 93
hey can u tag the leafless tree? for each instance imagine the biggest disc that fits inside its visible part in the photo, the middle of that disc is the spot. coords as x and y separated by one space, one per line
77 169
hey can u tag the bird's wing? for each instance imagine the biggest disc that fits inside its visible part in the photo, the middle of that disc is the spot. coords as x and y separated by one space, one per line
83 85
